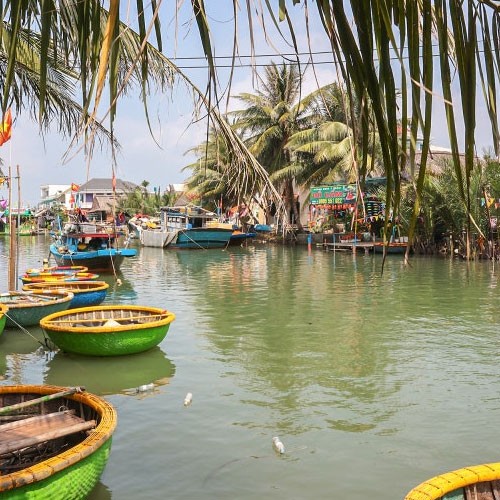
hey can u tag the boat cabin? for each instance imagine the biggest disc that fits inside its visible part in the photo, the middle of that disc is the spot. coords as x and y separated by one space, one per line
188 217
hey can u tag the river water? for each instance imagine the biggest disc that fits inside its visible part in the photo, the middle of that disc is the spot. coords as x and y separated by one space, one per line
373 382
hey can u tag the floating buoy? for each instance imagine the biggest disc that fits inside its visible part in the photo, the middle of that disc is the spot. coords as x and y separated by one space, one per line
188 399
278 445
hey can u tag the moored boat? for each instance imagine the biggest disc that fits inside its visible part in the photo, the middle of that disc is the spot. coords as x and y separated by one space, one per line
3 316
187 227
56 445
58 276
81 244
111 330
474 482
86 293
28 308
394 247
57 269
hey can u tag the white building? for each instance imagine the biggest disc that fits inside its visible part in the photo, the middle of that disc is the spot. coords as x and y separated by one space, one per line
55 194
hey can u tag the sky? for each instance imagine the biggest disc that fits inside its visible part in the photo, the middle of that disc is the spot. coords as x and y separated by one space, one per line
40 158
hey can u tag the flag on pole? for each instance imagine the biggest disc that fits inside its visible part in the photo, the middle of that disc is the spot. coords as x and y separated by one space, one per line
113 182
6 127
74 187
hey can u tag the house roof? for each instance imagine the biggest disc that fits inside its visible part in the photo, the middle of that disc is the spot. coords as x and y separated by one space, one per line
102 204
100 184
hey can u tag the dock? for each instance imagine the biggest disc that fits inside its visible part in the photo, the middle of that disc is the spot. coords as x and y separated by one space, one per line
352 246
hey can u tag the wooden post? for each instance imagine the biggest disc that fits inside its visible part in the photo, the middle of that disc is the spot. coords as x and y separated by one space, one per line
12 239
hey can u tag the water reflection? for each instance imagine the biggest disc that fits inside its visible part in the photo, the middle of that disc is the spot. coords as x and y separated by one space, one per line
110 375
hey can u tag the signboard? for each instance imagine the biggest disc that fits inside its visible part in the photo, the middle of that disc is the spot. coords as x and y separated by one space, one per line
339 194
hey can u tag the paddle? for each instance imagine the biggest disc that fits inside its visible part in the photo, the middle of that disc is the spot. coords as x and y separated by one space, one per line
48 397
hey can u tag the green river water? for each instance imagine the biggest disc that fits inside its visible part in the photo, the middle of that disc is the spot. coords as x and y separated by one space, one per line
374 382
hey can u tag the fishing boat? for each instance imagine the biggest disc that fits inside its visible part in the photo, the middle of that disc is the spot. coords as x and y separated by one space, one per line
54 441
82 244
28 308
85 293
393 247
45 277
3 316
112 330
474 482
186 227
239 237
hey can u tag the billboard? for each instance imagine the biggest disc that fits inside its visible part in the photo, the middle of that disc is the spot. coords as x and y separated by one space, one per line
336 194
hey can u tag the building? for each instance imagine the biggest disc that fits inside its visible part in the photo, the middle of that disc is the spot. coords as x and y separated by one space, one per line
103 188
55 194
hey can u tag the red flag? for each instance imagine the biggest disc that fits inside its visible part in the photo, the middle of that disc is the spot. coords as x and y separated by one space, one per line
6 127
74 187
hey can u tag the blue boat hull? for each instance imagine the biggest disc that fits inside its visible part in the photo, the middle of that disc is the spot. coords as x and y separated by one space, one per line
108 259
202 238
90 298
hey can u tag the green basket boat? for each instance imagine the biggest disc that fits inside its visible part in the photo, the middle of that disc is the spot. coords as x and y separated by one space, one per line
477 481
3 316
28 308
112 330
75 428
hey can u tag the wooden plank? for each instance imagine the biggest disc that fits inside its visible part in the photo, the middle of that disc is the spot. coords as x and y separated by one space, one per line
495 488
479 491
35 430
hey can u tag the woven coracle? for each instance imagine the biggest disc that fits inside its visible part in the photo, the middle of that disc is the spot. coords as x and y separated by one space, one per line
72 474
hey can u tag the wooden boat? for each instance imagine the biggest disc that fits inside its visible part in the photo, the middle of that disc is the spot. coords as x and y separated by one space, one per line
3 316
54 441
112 330
80 244
239 237
28 308
57 269
394 247
474 482
187 227
57 276
86 293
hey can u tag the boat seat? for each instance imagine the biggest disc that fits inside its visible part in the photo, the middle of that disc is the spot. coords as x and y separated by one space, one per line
15 436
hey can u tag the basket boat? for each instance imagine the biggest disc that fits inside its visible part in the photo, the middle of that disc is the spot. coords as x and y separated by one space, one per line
58 276
3 316
112 330
477 481
86 293
54 441
28 308
57 269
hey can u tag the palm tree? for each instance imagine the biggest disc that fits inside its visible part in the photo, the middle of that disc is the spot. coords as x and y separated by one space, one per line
273 114
378 46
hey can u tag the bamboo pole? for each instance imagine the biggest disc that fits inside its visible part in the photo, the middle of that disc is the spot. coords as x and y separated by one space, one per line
48 397
12 240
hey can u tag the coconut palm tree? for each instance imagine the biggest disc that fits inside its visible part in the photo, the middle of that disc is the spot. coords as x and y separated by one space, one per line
378 46
273 114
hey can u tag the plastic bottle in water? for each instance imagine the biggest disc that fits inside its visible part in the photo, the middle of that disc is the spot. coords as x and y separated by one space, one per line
188 399
278 445
145 387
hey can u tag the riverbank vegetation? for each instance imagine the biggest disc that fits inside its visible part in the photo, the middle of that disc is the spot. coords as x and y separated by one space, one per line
394 61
